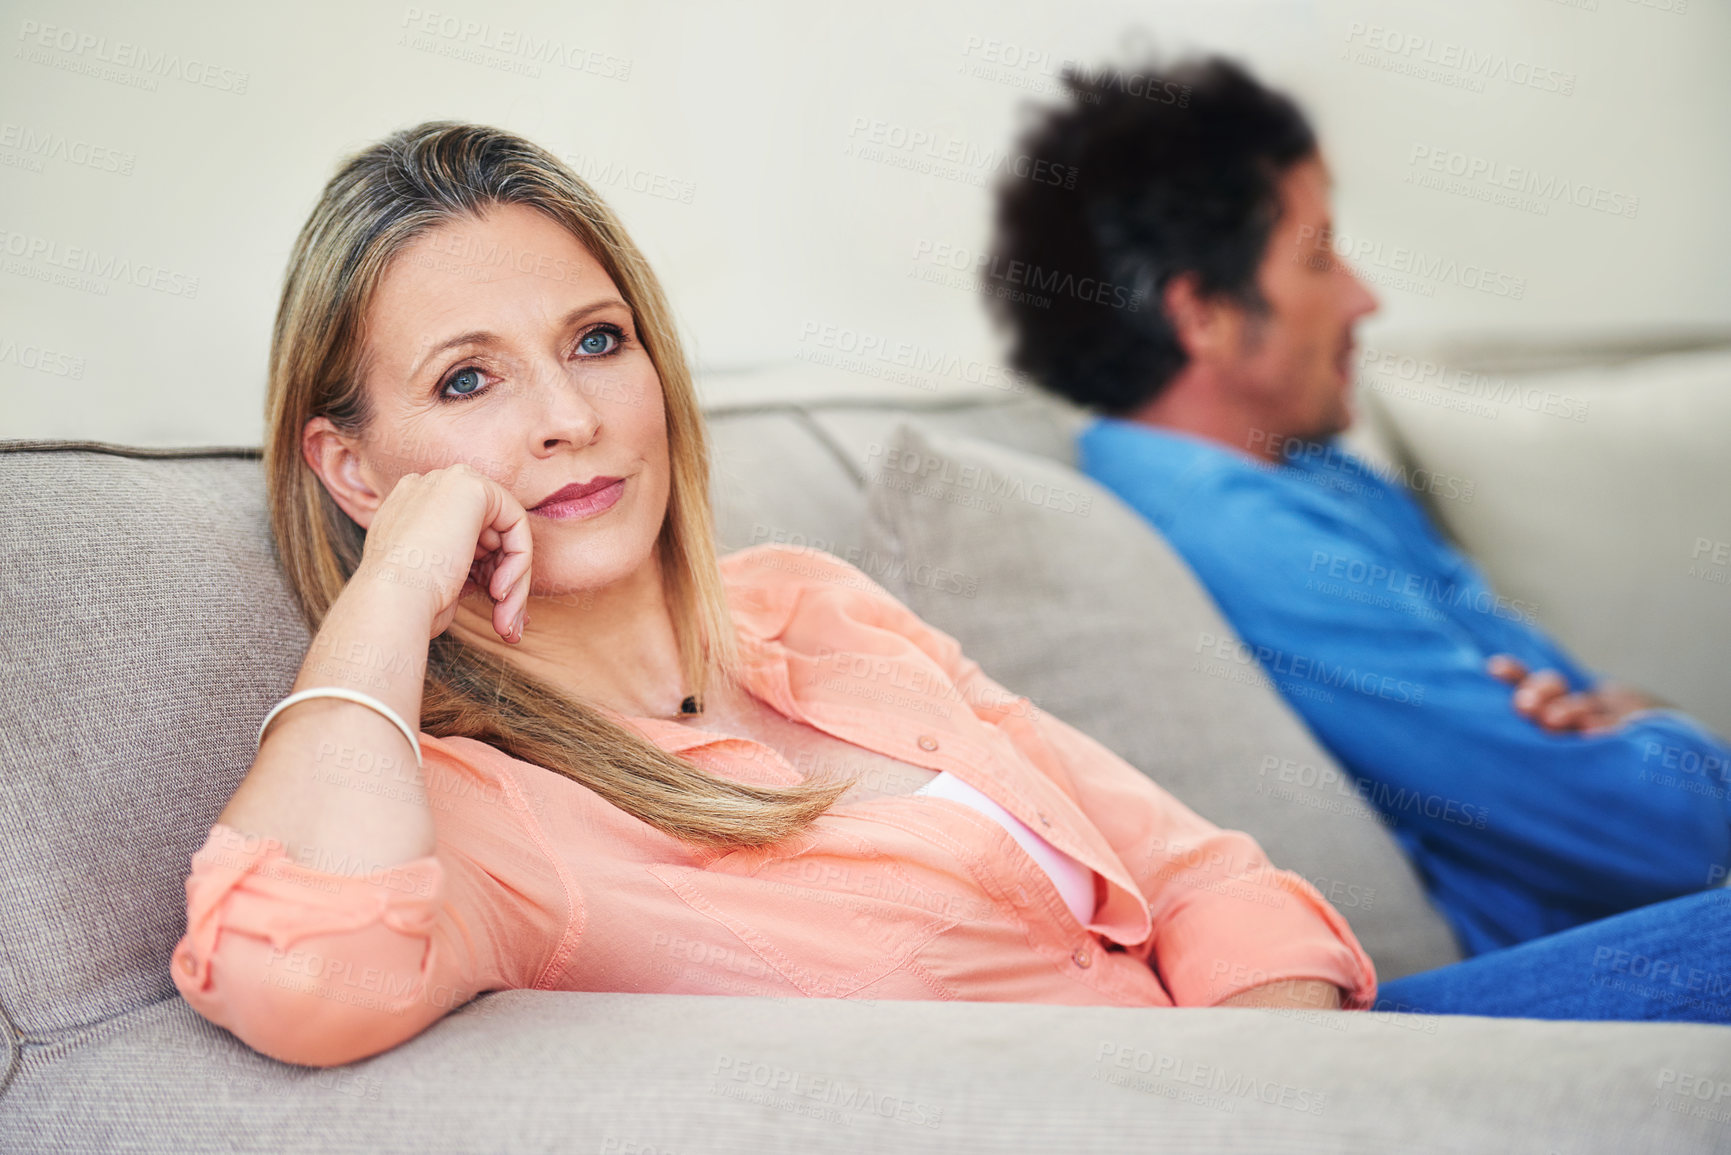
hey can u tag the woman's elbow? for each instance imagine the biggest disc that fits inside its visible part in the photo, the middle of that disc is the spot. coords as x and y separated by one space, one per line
312 1004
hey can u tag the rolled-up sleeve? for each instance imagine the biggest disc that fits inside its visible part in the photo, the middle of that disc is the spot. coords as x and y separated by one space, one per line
321 967
1224 918
304 965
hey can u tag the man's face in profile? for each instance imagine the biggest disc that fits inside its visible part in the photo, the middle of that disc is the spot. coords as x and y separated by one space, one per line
1294 362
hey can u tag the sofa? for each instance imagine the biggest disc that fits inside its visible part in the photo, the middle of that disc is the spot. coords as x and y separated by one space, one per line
145 629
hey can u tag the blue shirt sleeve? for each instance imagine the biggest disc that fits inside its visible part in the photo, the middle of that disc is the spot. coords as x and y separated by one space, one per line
1526 831
1505 626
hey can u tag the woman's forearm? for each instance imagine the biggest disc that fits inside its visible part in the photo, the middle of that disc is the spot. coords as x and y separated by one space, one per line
335 780
1311 993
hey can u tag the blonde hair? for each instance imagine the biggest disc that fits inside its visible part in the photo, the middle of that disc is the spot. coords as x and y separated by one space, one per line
381 199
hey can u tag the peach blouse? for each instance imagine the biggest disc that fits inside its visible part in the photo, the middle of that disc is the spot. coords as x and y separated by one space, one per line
536 882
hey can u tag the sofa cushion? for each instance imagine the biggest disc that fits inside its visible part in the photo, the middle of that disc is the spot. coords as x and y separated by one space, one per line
758 452
144 630
1063 593
771 479
538 1071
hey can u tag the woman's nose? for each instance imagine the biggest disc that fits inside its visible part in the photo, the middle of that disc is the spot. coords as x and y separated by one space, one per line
564 408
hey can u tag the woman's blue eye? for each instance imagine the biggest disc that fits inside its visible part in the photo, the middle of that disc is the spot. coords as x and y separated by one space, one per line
464 382
598 343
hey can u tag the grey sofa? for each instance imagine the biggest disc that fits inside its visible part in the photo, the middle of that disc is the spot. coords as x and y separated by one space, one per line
144 630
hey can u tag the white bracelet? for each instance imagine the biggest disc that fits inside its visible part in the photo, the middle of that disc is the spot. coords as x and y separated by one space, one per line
355 696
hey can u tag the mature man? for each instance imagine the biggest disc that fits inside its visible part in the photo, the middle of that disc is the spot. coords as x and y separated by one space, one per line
1220 378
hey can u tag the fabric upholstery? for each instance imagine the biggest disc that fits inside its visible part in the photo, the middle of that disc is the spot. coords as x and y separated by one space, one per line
144 630
530 1071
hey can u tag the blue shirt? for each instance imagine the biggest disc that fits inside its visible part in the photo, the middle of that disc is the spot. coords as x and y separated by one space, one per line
1376 631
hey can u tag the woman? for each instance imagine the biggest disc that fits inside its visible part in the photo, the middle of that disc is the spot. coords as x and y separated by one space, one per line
545 738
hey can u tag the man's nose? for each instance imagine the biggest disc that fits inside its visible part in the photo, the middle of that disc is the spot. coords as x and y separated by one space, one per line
1360 301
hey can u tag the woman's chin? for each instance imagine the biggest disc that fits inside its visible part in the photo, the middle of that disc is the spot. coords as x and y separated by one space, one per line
578 575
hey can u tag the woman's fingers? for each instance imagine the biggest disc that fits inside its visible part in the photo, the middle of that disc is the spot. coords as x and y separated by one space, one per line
427 522
514 561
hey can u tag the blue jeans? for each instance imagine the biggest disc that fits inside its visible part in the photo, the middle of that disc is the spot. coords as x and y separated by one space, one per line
1668 961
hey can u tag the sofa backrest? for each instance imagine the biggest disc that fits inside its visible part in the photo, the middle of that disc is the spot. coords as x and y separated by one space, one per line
144 630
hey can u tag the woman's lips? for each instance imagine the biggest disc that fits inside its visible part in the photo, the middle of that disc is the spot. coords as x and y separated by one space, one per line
572 508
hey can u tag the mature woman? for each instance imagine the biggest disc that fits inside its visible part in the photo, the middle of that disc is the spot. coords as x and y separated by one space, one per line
545 738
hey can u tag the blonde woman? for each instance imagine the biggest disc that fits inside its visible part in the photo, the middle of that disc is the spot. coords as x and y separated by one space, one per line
544 738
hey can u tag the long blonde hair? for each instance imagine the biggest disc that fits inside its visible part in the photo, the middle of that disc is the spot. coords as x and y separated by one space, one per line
382 198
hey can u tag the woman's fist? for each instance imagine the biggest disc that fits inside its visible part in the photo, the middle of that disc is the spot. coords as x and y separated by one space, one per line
447 534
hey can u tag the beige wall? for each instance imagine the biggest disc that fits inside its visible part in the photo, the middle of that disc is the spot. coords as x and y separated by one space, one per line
181 145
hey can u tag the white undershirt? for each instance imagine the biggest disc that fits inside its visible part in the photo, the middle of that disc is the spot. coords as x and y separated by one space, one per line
1074 881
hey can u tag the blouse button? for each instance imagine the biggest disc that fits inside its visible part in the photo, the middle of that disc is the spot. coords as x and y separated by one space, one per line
1082 957
1044 821
927 742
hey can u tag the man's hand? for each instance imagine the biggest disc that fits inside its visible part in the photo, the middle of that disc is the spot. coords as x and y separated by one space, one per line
1544 698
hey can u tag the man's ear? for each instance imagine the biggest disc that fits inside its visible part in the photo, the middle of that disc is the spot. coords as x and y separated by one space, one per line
1205 327
333 456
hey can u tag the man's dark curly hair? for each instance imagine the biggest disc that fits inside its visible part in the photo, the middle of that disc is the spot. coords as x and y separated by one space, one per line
1174 175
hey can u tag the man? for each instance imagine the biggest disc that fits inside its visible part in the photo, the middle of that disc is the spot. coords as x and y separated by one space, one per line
1532 796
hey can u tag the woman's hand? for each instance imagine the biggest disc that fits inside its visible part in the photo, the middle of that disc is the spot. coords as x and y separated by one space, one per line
449 533
1311 993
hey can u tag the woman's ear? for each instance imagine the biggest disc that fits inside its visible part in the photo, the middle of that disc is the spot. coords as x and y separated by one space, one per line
334 458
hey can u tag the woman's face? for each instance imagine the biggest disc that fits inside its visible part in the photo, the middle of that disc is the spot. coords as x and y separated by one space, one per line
501 343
